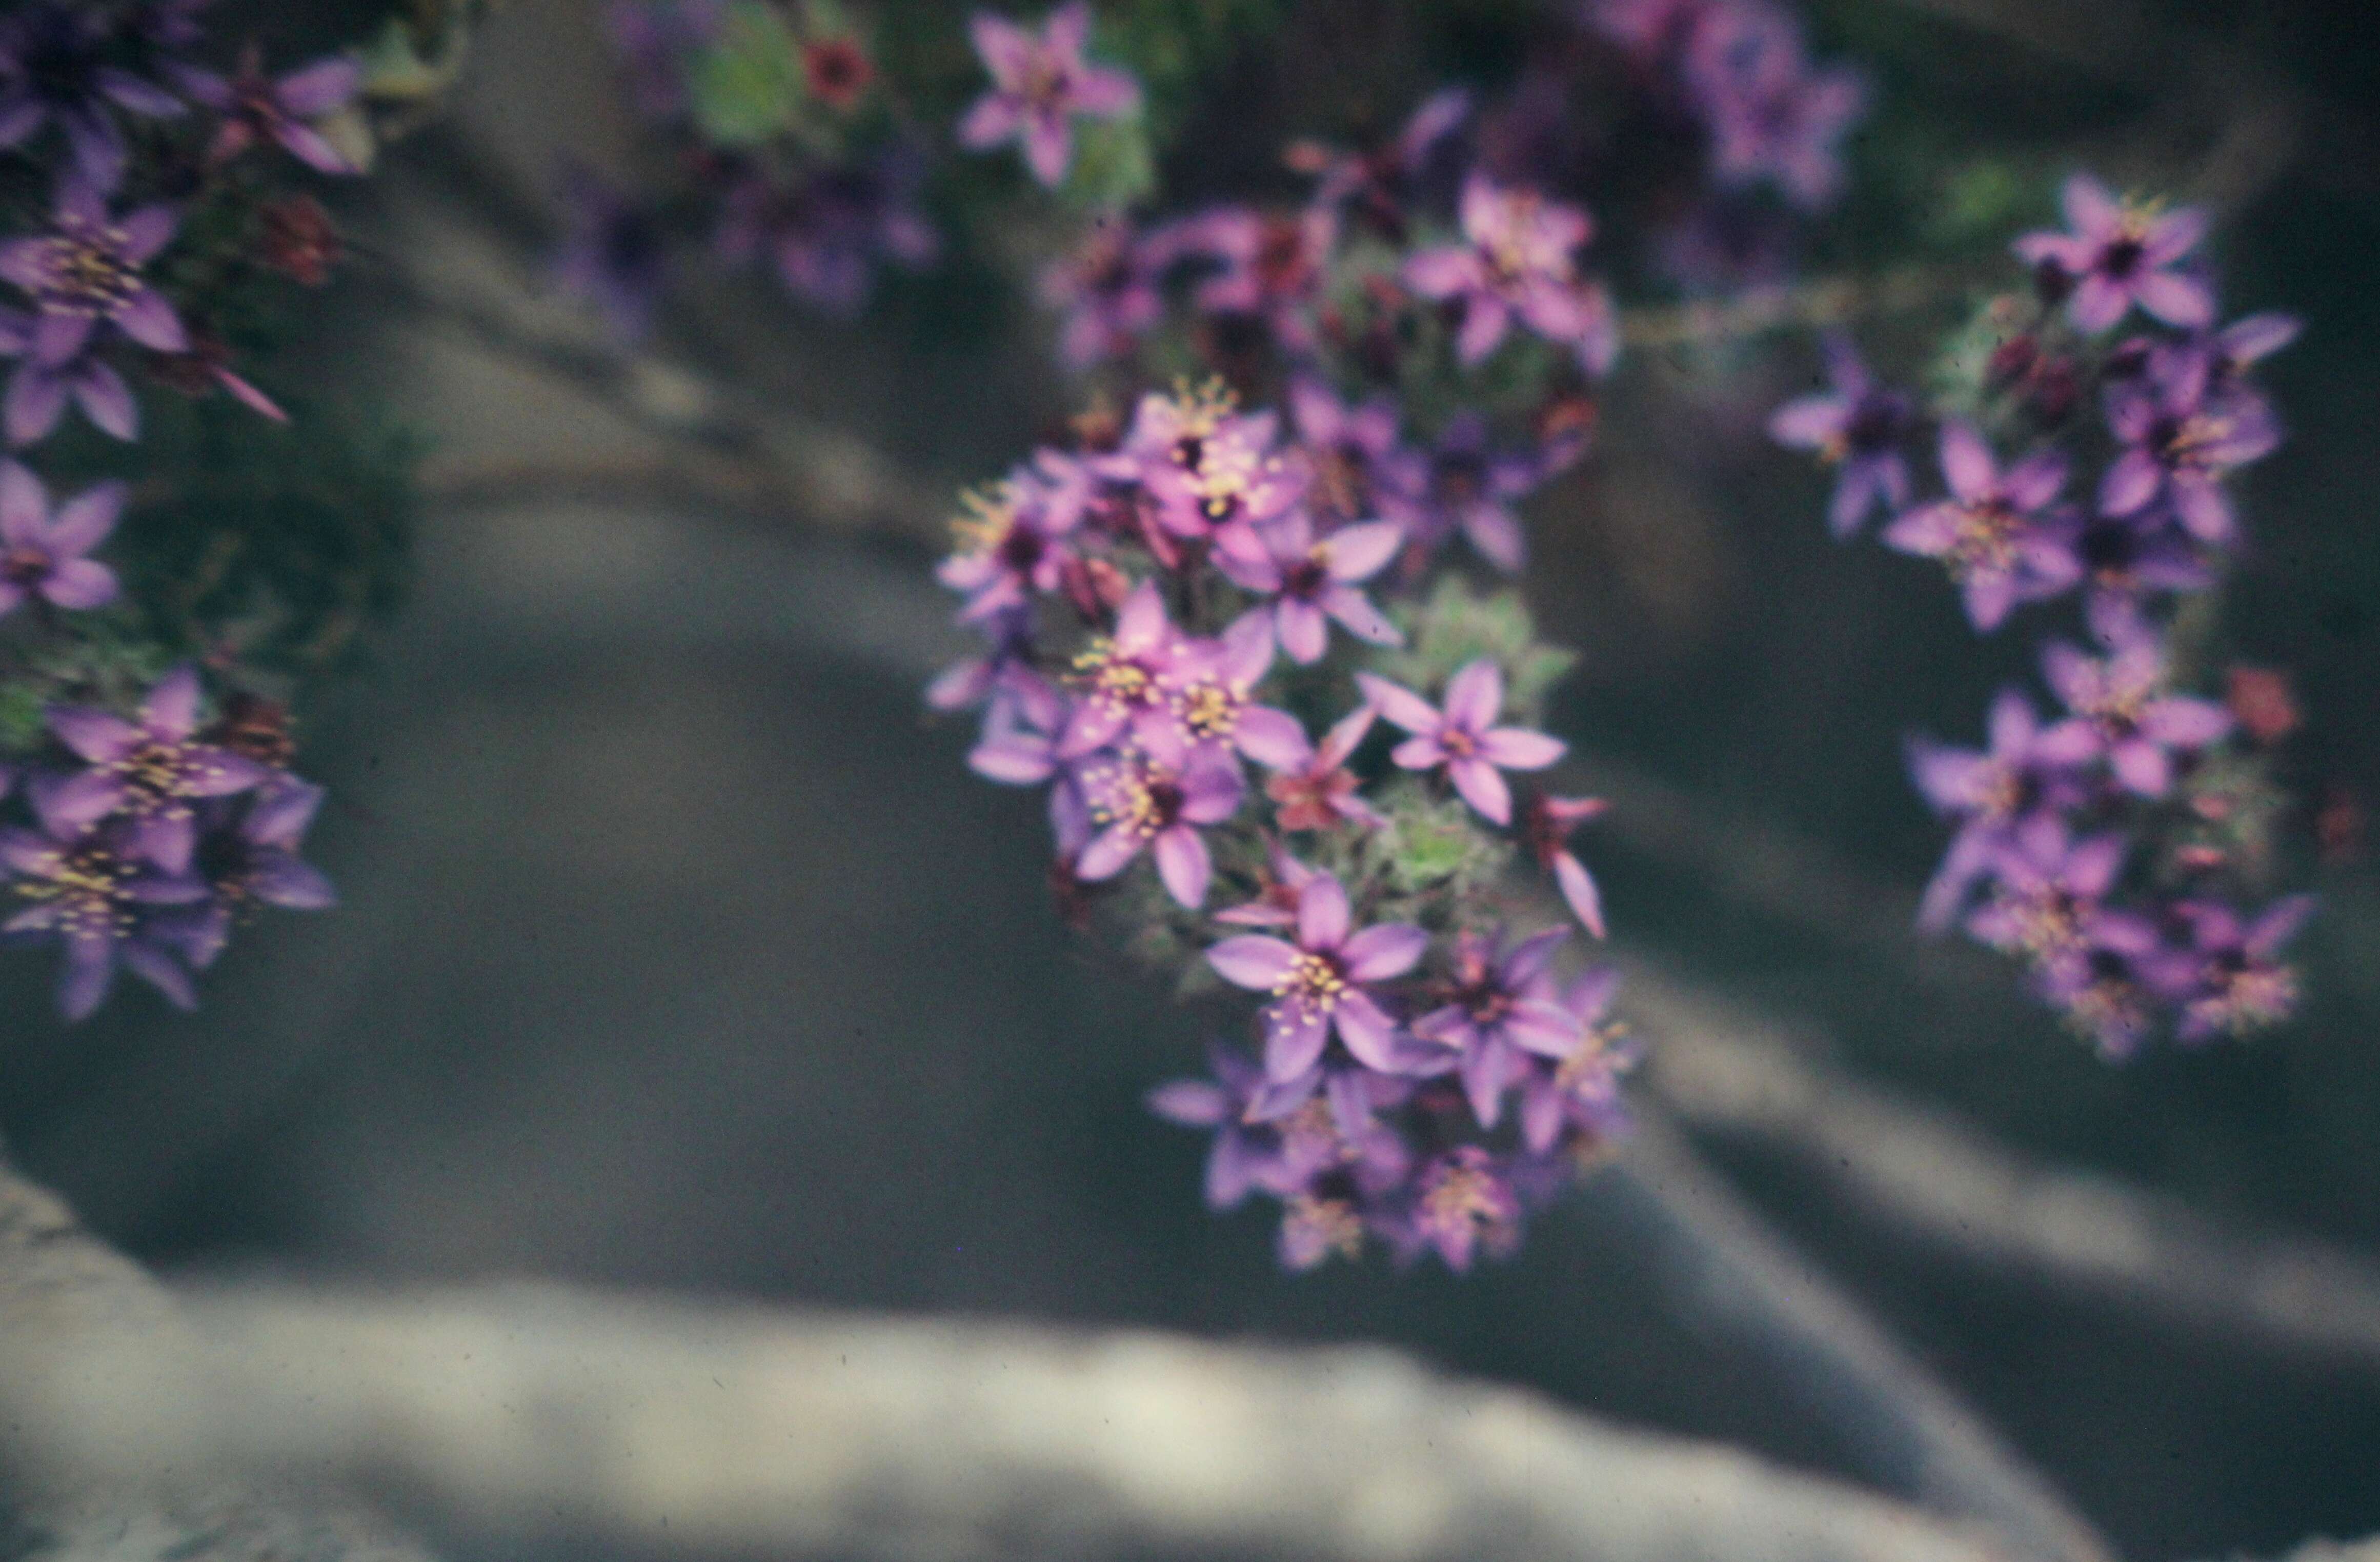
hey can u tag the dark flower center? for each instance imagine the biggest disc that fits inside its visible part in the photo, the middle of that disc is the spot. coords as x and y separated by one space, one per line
1459 476
26 567
2122 258
87 270
2109 549
1188 451
1164 805
1022 549
1305 580
1875 425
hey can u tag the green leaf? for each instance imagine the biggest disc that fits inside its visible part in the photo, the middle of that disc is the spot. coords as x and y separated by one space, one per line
748 86
1113 166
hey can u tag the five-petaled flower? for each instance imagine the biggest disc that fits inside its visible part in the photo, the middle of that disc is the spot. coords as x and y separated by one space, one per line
1137 799
1040 84
152 771
1462 738
91 893
256 109
1319 983
1311 580
2121 710
2120 253
2181 433
1500 1005
86 272
1857 427
44 555
1996 534
1516 262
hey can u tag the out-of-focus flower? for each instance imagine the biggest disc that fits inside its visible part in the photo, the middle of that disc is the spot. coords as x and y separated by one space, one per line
1462 738
612 253
1279 1156
2121 712
1464 1205
296 237
656 39
824 233
1996 534
1545 824
1578 1092
256 109
55 69
1515 263
151 771
2230 978
1857 427
94 896
1380 183
86 273
1040 82
1989 793
1501 1007
837 70
2117 254
1105 292
248 856
1320 982
2049 899
1350 449
1273 266
1013 543
1461 484
2181 438
1772 116
44 555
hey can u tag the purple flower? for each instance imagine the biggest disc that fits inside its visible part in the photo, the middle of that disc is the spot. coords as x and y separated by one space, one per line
2047 900
1770 114
41 554
1272 266
2124 557
1516 263
2024 771
1991 532
2104 996
1381 181
2120 712
1211 691
92 893
1106 291
149 770
1500 1008
612 253
2182 437
1858 426
1463 1204
1319 983
1005 664
1137 799
87 271
1461 484
1578 1092
824 234
2231 980
2119 255
1207 465
1013 543
247 856
1316 790
1280 1154
256 109
53 66
1545 824
1124 677
1040 84
1463 738
1350 449
1312 580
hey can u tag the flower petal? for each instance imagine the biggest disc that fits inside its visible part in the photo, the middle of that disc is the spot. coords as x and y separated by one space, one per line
1253 960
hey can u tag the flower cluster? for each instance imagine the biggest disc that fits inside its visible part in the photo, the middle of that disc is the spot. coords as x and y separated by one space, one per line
1160 609
2110 847
151 834
161 217
799 156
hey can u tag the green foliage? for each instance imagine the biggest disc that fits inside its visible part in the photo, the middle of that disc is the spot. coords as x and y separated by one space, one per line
1431 847
279 544
749 85
1113 165
1457 625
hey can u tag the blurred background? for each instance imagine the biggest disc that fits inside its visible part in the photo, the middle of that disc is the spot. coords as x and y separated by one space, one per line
679 951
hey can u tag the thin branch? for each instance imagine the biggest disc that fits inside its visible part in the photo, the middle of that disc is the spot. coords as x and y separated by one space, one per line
1922 1172
1911 1432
